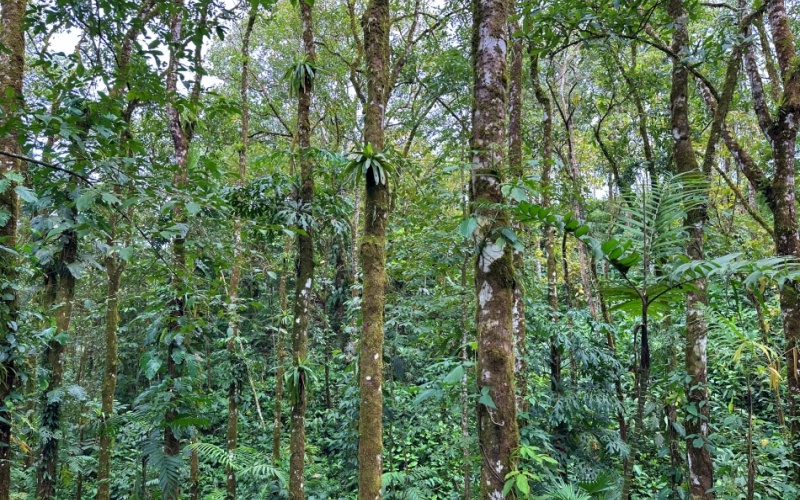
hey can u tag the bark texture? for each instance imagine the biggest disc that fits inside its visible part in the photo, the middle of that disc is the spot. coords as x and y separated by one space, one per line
780 130
516 170
181 131
114 268
305 265
234 389
701 473
373 257
180 144
280 354
61 284
498 431
12 67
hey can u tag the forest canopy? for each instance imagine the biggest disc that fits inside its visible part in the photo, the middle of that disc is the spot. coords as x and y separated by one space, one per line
399 249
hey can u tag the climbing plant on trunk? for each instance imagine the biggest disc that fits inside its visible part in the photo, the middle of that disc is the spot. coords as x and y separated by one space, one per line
303 85
498 432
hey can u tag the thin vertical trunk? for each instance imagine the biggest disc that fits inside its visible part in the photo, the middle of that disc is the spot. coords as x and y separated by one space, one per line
181 132
783 135
566 112
234 389
373 257
305 268
498 432
701 472
641 114
516 170
12 67
280 354
194 472
551 267
177 306
64 285
781 132
464 358
114 268
341 286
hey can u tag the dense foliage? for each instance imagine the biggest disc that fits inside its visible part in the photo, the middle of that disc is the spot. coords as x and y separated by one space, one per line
196 196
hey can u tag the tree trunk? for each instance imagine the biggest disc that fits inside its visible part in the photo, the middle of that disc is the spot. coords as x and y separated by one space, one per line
280 355
64 285
114 269
305 268
551 267
783 135
181 133
701 472
781 132
234 389
373 257
494 272
12 67
516 170
177 306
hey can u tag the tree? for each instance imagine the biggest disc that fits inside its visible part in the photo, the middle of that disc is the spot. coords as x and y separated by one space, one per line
494 273
304 285
373 254
12 69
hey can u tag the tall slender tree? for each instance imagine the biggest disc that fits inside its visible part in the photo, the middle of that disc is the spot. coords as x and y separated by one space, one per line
12 68
234 389
304 288
780 128
498 432
701 477
376 24
516 170
181 132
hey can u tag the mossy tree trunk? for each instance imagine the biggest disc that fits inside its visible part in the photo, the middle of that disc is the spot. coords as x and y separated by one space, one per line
780 131
62 283
181 131
373 257
181 154
516 170
498 432
280 355
548 242
12 67
701 467
114 267
305 265
783 135
237 375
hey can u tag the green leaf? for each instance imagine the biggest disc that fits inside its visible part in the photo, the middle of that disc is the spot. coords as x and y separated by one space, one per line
85 200
76 269
14 177
467 227
110 198
454 376
509 484
193 208
26 194
522 484
126 253
486 399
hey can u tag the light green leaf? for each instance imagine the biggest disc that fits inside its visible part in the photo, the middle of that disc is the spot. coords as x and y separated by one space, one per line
193 208
26 194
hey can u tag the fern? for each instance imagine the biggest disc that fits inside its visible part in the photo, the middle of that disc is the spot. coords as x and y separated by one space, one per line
566 491
168 467
245 461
